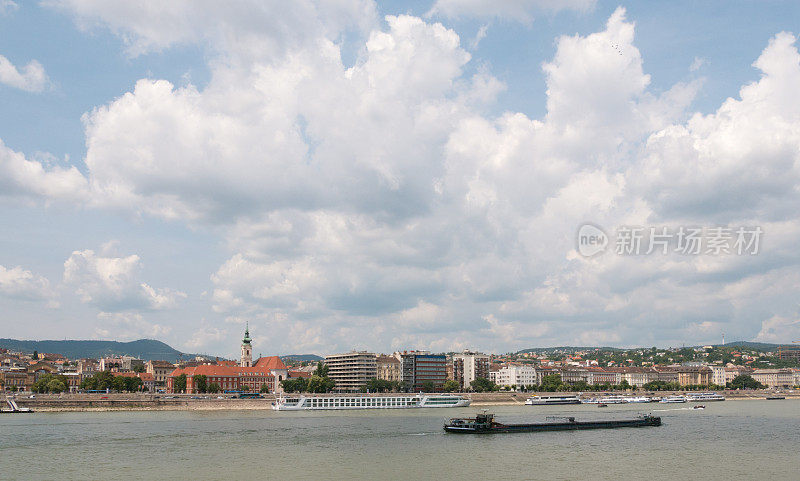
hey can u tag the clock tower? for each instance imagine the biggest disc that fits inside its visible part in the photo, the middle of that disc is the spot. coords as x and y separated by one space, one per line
247 350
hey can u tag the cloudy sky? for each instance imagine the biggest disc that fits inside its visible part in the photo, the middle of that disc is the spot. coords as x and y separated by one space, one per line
350 174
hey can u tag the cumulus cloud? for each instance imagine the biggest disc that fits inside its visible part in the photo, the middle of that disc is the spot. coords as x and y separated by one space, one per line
32 179
779 329
376 204
250 28
517 10
19 283
31 77
128 326
112 283
7 6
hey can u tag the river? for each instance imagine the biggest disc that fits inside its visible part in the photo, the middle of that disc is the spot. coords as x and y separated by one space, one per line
726 441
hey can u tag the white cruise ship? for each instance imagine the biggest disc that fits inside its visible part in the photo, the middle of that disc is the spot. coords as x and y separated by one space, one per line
547 400
704 396
673 399
300 403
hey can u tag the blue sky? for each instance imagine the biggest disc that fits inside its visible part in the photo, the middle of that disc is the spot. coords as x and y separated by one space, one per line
342 179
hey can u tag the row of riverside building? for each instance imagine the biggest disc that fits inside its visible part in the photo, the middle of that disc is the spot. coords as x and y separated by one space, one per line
418 369
411 370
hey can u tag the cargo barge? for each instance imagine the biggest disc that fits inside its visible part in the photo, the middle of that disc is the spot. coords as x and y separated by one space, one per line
485 424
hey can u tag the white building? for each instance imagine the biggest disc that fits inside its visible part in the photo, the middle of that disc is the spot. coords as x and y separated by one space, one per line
515 375
468 366
719 377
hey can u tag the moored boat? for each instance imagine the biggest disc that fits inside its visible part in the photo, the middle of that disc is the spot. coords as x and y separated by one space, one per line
673 399
398 401
552 400
485 424
704 396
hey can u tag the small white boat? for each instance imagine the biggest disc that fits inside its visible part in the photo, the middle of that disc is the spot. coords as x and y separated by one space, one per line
639 399
554 400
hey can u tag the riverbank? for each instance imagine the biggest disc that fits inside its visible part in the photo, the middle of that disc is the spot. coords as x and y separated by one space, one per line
207 402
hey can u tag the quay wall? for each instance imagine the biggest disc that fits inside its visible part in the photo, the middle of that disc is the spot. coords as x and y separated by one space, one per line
145 402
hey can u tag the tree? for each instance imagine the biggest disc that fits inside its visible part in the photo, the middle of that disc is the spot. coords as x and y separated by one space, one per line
100 381
745 381
35 355
482 384
51 383
378 385
427 386
451 386
551 383
320 384
179 383
322 369
264 389
213 388
295 384
200 382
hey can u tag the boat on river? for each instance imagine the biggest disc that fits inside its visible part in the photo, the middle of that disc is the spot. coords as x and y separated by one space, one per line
704 396
552 400
399 401
484 423
673 399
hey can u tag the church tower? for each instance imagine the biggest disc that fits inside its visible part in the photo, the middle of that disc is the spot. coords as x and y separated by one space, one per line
247 349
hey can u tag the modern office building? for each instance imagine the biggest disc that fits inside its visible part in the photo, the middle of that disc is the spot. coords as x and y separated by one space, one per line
423 370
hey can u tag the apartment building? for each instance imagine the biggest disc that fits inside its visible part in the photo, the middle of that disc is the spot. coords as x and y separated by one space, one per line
389 368
351 370
468 366
518 375
420 368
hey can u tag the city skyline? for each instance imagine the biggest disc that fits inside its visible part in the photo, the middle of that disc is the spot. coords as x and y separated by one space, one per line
410 175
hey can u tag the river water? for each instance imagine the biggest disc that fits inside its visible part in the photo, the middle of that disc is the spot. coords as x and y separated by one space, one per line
727 441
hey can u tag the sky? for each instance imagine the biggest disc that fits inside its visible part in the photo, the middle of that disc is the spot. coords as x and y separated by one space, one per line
439 175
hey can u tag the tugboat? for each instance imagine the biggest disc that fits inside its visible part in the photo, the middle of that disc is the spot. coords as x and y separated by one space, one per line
484 423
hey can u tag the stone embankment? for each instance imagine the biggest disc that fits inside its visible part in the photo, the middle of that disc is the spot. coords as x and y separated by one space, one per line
209 402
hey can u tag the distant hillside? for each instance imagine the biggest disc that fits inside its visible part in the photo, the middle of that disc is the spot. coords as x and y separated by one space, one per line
567 349
302 357
143 348
760 346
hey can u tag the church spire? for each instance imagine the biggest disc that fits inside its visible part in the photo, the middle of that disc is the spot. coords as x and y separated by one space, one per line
247 339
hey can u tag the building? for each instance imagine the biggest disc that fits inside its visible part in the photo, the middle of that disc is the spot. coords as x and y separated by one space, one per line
718 375
774 377
160 371
269 370
515 375
422 370
247 350
636 376
120 364
351 370
388 368
694 375
468 366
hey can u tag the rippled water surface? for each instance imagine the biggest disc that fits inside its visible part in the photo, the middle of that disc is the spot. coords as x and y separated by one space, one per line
726 441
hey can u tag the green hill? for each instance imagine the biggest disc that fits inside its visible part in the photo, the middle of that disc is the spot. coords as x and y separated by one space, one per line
143 348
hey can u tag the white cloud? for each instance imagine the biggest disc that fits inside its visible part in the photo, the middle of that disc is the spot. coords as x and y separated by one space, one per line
249 28
31 77
376 204
18 283
517 10
112 283
779 329
7 6
128 326
31 179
